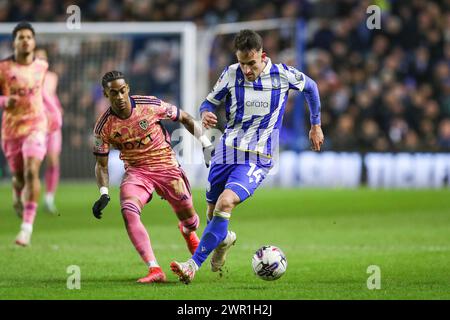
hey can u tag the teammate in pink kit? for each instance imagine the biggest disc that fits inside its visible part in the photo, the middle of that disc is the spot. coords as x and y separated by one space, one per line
24 124
133 125
53 111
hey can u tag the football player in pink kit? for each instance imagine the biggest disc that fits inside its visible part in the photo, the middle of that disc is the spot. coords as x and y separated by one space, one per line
54 136
133 125
24 124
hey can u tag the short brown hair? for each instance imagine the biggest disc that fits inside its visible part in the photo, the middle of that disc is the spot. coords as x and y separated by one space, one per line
247 40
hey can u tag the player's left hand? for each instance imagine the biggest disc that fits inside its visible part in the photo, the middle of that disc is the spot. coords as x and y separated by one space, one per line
99 205
316 137
207 154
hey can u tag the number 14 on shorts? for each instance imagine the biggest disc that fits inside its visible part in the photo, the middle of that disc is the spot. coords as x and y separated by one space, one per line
254 175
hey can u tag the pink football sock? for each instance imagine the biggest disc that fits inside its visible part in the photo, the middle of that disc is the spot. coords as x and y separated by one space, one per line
51 178
29 212
190 224
137 232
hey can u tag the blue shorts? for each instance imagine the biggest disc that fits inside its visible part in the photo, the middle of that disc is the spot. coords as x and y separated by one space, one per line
243 179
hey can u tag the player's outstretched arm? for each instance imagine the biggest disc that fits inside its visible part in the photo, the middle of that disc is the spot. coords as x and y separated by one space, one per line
196 130
102 177
312 96
300 81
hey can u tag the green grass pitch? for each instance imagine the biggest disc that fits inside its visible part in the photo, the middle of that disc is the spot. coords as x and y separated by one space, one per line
330 238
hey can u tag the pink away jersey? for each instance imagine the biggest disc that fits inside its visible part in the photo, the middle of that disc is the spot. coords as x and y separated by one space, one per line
25 81
52 105
141 139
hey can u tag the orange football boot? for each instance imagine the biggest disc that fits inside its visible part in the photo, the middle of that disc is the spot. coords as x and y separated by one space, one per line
155 274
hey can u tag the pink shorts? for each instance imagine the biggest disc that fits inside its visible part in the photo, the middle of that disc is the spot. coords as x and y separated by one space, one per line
16 150
171 184
54 142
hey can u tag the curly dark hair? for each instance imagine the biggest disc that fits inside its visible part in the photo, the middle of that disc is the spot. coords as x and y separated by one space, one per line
111 76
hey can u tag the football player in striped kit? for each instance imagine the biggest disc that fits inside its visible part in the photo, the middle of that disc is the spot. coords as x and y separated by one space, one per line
254 92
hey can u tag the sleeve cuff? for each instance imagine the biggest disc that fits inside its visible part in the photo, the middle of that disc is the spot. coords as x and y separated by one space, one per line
315 119
177 115
207 106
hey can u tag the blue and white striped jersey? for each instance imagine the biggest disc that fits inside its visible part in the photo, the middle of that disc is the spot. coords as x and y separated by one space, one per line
254 110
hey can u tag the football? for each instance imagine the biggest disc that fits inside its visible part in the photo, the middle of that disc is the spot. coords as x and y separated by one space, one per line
269 263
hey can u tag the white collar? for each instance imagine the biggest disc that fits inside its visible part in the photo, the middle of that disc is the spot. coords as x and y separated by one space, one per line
267 68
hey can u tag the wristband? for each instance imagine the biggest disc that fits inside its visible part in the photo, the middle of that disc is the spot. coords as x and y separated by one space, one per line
103 190
205 141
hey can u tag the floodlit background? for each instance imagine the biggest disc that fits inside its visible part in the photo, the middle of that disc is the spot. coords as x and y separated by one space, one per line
377 195
383 90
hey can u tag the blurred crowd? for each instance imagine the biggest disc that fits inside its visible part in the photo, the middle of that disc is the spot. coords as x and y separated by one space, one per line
381 90
202 12
151 64
388 89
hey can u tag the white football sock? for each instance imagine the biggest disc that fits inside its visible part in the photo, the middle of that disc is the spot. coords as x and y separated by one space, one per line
27 227
152 264
49 197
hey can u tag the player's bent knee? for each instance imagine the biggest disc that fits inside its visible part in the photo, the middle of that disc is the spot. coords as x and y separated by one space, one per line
130 207
225 204
227 201
131 200
31 174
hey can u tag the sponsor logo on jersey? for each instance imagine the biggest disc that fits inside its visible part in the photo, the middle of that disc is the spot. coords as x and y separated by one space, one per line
137 144
257 104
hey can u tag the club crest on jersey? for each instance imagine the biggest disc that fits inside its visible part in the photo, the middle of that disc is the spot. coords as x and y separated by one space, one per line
276 82
143 124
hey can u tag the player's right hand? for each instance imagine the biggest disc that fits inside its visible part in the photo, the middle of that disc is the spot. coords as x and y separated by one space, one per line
209 119
12 101
99 205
